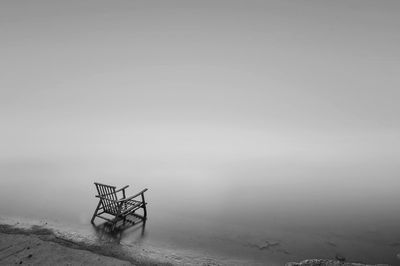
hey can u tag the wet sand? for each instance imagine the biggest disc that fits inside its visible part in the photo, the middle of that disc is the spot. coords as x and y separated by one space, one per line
33 250
22 244
40 244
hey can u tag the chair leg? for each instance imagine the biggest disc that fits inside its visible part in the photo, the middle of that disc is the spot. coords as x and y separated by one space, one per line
143 228
144 207
114 223
144 212
95 213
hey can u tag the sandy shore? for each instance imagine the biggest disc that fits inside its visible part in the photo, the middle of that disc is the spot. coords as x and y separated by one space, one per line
324 262
32 250
41 245
27 244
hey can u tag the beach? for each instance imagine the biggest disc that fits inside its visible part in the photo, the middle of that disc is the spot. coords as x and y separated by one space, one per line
33 250
39 245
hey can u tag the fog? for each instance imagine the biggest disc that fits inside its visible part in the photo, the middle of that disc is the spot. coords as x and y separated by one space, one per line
254 117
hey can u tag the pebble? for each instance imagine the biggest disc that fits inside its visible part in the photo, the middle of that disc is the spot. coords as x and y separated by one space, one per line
340 257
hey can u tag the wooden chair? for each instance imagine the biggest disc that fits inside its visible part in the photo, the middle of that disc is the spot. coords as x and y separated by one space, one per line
118 208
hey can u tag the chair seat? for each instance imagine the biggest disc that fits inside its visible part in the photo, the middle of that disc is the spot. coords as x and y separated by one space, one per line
126 207
130 205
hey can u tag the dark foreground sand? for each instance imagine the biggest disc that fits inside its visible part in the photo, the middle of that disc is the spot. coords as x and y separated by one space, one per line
41 246
38 245
322 262
32 250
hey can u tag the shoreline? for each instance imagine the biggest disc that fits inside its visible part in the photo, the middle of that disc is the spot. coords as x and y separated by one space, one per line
40 244
26 239
14 232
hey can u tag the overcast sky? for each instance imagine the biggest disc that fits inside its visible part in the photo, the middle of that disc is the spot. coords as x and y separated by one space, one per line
201 75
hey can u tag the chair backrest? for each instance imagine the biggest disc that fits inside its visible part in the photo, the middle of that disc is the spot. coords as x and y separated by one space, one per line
108 196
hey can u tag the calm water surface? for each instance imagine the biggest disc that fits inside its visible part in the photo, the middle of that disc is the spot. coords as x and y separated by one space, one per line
227 209
247 202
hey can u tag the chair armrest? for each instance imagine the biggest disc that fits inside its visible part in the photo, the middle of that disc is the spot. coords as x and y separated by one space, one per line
123 190
118 190
134 196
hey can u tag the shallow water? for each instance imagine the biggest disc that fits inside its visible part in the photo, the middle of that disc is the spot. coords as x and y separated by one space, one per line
237 204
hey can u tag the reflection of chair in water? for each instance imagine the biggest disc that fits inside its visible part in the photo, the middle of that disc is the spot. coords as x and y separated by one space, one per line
106 233
119 208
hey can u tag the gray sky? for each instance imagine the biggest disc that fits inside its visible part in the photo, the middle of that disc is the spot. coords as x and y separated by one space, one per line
276 78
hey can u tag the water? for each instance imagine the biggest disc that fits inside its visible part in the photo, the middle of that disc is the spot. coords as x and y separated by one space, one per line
233 196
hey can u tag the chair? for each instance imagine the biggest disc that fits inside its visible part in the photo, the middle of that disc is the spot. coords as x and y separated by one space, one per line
118 208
